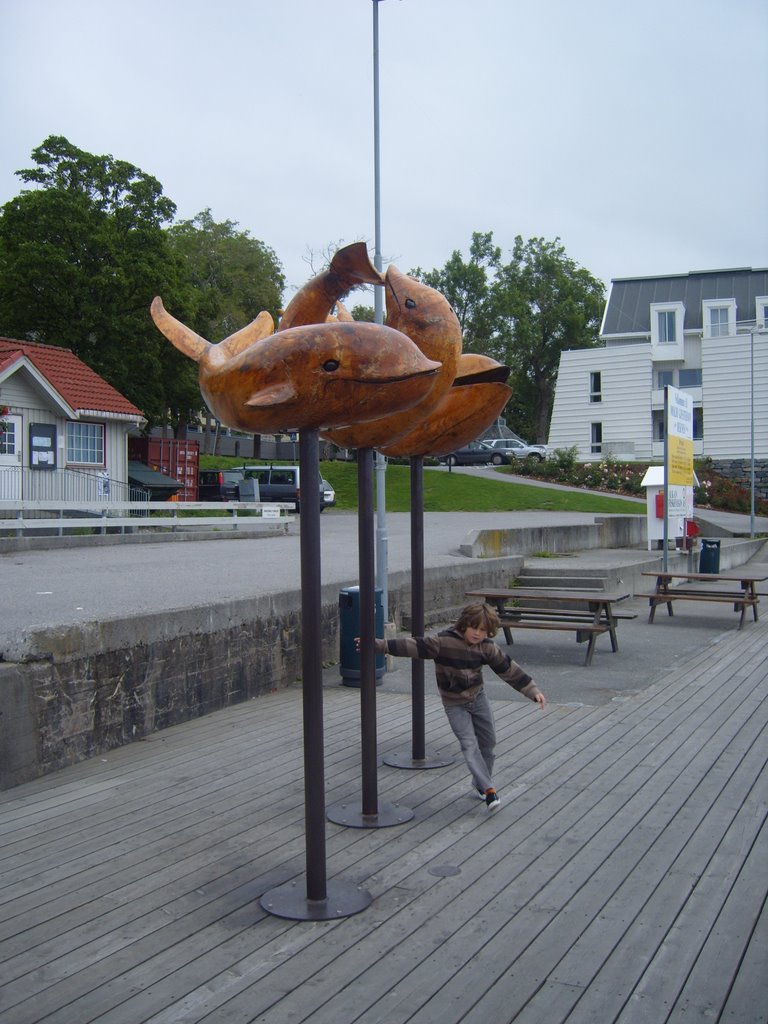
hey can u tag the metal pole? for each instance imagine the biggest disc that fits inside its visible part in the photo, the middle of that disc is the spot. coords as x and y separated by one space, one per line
370 800
382 542
665 492
417 605
752 432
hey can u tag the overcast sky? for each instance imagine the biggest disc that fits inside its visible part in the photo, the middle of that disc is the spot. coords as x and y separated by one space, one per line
637 133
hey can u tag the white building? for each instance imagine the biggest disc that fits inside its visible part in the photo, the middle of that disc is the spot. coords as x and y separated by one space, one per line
705 333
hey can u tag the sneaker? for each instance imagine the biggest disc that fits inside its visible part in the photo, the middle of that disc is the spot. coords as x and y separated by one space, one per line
492 801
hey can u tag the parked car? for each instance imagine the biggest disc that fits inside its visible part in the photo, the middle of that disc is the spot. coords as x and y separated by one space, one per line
283 484
329 495
474 454
514 448
219 484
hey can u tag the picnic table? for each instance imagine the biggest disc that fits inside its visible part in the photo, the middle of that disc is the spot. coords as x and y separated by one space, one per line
588 613
704 589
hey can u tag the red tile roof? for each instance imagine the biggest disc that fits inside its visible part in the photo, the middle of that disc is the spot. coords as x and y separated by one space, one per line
79 385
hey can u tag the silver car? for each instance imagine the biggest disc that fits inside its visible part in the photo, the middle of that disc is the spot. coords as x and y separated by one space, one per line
514 448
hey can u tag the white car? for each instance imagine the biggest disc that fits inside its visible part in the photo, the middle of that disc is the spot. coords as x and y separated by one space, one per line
514 448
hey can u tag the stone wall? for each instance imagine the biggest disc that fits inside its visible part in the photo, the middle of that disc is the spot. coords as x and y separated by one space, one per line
74 692
740 470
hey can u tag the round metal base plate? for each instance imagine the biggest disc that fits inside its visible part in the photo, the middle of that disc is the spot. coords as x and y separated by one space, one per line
351 814
405 759
290 901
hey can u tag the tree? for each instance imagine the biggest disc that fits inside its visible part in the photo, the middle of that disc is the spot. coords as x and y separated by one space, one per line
523 314
543 303
466 285
81 258
234 276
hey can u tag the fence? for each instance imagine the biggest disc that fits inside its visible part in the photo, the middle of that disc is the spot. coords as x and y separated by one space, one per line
19 482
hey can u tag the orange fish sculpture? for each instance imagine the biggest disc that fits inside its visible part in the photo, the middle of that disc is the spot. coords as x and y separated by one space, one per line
304 377
478 395
426 317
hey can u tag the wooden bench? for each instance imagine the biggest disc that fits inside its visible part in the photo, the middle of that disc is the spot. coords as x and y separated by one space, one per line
745 597
590 613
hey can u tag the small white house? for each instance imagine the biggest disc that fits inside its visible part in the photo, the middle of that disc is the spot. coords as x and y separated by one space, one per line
64 428
705 333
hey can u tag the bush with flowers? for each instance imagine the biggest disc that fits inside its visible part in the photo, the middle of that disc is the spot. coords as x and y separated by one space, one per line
713 490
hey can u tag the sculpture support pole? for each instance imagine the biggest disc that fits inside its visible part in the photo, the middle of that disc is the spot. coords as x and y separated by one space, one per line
311 666
417 604
370 812
320 902
417 756
367 630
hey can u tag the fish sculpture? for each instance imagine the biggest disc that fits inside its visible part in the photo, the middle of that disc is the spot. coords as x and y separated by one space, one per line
426 317
303 377
312 304
477 397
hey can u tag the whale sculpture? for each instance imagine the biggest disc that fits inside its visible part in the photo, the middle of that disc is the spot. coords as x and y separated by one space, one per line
473 403
426 317
312 303
303 377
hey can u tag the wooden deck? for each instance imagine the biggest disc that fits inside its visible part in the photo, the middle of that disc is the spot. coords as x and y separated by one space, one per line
623 879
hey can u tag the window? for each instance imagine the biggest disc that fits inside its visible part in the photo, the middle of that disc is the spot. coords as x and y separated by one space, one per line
718 317
698 424
7 437
761 310
85 443
597 437
666 324
689 378
595 387
718 321
665 378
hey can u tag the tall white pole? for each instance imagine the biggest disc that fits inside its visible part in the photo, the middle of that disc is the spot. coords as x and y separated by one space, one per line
752 432
382 554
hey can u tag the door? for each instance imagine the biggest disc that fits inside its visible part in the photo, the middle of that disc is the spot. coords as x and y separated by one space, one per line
10 458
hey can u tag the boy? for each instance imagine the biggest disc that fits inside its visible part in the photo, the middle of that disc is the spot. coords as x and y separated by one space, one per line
459 654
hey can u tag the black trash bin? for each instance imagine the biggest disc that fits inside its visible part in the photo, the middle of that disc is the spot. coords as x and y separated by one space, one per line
709 559
349 628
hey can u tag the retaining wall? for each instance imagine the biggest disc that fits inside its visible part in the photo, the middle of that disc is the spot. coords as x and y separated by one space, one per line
74 692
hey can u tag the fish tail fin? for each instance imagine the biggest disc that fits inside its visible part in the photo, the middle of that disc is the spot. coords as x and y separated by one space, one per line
256 330
177 333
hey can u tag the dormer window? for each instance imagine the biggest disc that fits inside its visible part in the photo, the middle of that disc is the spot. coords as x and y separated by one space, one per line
719 318
761 310
667 319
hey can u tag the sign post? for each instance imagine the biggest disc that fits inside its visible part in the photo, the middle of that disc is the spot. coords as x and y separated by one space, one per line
678 456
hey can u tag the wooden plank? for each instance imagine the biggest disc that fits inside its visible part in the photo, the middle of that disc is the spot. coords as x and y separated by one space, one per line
146 908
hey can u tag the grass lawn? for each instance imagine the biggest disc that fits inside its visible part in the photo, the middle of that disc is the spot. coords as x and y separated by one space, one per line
455 492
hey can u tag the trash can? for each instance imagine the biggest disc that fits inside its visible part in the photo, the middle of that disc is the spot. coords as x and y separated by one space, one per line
349 628
709 559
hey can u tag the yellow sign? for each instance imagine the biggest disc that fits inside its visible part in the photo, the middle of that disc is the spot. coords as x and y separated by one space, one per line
680 461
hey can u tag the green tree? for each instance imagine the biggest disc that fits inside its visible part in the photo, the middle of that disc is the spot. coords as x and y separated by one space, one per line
81 257
542 303
234 276
522 313
467 286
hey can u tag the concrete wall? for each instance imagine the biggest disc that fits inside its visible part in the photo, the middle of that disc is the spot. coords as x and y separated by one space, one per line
75 692
608 532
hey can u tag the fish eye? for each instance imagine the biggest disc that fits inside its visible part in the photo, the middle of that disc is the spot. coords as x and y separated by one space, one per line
410 304
330 365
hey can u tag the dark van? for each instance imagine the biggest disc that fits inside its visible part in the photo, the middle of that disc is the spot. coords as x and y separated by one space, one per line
282 483
219 484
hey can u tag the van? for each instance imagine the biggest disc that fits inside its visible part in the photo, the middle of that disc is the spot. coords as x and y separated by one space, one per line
282 483
219 484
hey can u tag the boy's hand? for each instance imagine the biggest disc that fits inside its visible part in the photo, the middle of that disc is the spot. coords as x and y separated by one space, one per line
540 699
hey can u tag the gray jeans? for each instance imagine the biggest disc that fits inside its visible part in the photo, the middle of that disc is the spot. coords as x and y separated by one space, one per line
473 726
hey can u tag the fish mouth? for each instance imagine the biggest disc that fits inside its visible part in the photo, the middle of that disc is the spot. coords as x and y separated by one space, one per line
430 372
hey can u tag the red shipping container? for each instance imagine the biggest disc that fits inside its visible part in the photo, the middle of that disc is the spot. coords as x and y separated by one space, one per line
177 459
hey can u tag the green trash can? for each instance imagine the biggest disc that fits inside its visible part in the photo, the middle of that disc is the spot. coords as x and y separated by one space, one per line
349 628
709 559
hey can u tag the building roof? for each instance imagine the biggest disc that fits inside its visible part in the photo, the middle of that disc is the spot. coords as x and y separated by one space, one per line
80 386
629 303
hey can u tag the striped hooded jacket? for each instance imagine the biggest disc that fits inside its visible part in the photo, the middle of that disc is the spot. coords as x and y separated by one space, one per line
459 667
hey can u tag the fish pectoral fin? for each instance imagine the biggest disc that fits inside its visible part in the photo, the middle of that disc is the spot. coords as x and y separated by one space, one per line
275 395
